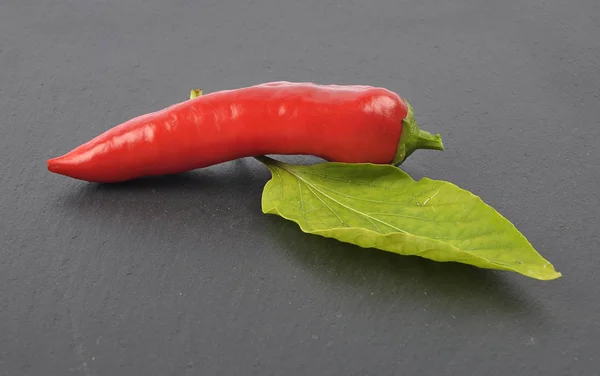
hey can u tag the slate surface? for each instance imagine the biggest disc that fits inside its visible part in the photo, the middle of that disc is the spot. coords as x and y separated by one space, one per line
186 276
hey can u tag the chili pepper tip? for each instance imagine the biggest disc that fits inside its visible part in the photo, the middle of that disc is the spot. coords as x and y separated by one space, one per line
63 165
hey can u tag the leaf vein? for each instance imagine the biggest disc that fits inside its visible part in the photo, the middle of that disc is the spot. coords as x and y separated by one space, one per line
324 203
342 205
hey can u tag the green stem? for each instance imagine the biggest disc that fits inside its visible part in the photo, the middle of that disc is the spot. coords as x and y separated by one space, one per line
426 140
195 93
414 138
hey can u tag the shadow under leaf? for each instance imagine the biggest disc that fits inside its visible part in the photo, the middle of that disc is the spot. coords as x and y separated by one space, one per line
408 278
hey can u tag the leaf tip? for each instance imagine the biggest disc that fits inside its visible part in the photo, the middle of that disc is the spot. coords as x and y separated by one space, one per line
547 273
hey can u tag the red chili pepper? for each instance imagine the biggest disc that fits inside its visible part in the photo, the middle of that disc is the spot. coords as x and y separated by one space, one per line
342 123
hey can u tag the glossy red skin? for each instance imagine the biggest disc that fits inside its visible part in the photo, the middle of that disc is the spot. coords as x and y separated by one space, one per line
343 123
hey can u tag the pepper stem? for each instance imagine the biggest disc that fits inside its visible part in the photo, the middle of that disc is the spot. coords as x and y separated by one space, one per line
414 138
195 93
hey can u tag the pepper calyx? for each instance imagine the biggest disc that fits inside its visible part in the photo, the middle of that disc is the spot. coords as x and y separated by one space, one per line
413 138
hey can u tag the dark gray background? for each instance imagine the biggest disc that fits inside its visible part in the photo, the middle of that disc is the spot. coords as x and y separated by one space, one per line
186 276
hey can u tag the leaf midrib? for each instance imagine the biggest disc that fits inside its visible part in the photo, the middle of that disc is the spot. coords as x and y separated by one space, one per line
308 184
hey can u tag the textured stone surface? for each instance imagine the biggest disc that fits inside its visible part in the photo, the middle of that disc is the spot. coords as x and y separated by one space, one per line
186 276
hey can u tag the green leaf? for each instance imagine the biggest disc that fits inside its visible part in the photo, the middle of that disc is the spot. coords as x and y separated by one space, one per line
380 206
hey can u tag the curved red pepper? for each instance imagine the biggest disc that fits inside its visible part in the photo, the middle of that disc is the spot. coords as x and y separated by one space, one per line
343 123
